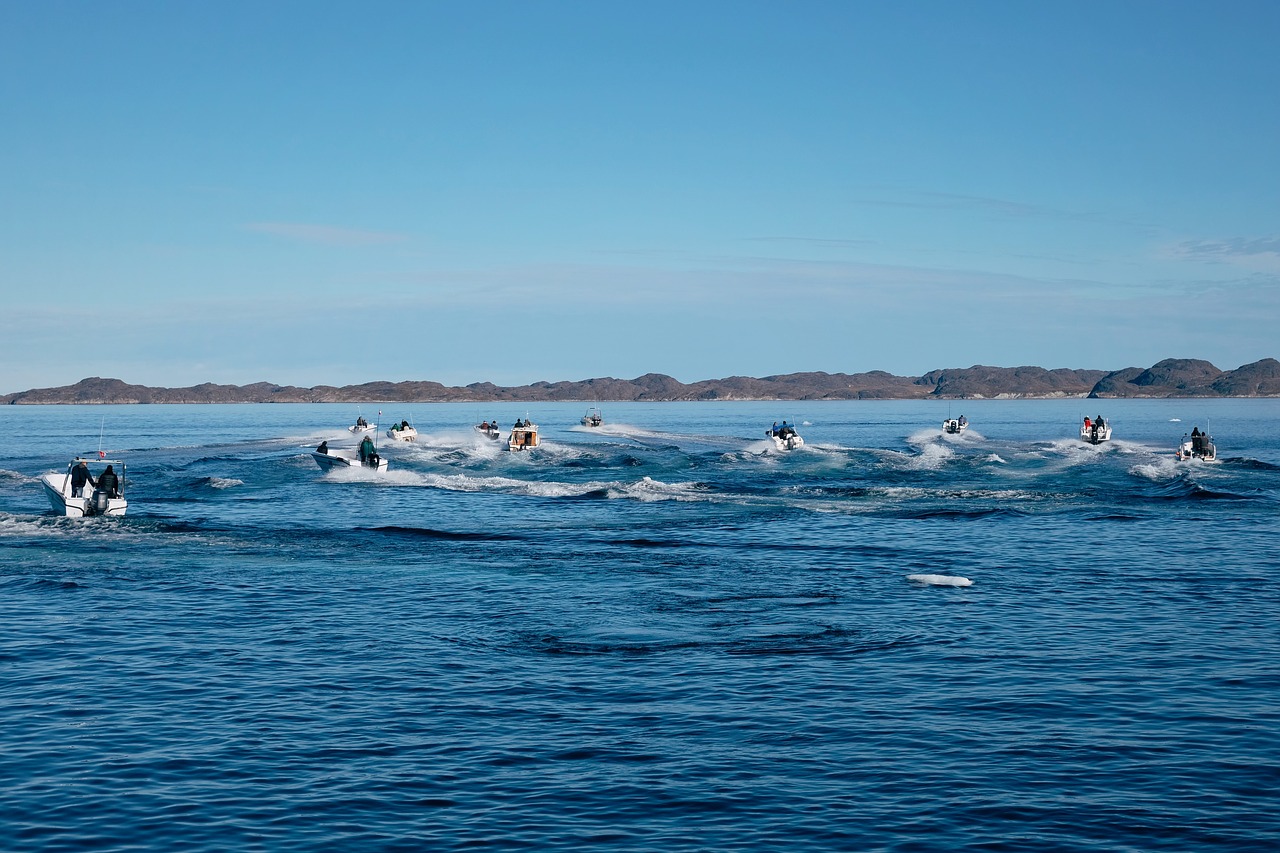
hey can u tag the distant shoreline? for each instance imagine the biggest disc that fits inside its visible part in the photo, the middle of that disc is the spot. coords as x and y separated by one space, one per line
1170 378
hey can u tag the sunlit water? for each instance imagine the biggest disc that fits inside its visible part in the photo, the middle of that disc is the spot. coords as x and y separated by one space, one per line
656 635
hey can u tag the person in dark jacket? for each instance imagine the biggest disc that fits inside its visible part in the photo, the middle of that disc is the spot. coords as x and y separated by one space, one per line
79 476
108 482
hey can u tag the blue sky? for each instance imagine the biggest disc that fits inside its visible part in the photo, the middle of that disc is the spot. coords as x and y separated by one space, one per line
320 193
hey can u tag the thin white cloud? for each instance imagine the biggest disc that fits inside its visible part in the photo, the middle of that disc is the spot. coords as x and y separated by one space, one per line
931 200
1230 247
1260 254
327 235
820 242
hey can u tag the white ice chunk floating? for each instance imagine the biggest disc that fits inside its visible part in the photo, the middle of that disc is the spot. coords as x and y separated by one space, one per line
940 580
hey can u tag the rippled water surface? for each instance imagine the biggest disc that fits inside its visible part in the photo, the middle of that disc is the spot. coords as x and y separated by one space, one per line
657 635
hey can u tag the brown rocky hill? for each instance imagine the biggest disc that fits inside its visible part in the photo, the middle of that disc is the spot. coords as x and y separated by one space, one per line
1168 378
1190 377
981 381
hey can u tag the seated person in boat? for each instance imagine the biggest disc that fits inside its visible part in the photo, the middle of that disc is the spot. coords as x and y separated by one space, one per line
79 476
323 448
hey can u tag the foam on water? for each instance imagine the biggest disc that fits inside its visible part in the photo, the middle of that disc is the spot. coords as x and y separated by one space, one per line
649 490
225 482
931 457
19 525
1157 469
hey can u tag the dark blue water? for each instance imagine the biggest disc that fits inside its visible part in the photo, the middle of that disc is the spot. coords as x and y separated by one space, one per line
655 636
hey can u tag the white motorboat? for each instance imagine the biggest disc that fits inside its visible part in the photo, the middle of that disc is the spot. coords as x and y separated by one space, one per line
1095 431
97 494
592 418
1198 445
327 457
402 432
524 436
361 426
955 426
490 429
785 437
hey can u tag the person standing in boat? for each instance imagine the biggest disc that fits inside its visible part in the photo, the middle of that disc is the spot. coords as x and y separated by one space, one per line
79 476
366 450
108 482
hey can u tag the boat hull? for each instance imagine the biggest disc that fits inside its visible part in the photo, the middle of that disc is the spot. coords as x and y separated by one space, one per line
953 426
523 438
57 488
784 439
1092 435
1191 450
403 434
345 459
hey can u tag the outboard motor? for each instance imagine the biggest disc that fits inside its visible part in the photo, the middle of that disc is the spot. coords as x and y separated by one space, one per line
99 503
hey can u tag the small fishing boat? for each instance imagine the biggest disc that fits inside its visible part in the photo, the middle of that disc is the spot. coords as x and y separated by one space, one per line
103 482
402 432
1197 445
592 418
328 458
524 436
489 429
361 426
1095 431
955 426
785 437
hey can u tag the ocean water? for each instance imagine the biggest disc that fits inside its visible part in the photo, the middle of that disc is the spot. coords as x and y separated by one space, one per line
658 635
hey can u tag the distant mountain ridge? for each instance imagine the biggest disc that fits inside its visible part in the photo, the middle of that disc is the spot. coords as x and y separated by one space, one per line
1173 377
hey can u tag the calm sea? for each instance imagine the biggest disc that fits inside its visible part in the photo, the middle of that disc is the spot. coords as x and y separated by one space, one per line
650 636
